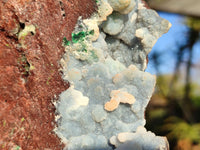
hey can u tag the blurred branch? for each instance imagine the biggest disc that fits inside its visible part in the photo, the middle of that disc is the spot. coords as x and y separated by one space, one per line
193 37
183 102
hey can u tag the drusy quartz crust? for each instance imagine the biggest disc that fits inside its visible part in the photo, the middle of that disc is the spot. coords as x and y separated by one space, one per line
105 63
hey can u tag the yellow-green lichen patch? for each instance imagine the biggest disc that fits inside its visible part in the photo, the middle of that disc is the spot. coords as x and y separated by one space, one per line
22 34
7 45
22 120
26 30
24 66
84 51
31 67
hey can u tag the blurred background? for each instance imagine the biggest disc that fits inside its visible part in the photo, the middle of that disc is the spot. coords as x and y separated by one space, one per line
174 110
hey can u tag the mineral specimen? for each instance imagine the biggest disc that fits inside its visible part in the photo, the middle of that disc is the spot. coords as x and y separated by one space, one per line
109 88
31 33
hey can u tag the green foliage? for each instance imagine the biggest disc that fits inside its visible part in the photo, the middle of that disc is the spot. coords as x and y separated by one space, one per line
174 128
179 129
195 94
195 100
163 85
157 113
193 23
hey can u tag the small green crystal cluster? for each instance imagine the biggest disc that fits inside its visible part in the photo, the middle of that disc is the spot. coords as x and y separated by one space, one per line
77 37
81 46
66 42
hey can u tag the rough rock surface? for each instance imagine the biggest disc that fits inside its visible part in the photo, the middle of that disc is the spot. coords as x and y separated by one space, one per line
31 33
109 88
140 140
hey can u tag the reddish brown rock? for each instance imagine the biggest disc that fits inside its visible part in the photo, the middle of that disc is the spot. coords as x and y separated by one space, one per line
29 68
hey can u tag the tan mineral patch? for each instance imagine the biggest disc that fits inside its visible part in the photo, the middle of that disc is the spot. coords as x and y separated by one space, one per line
92 25
104 10
74 75
119 5
117 97
123 97
125 136
129 8
114 141
111 105
117 78
127 98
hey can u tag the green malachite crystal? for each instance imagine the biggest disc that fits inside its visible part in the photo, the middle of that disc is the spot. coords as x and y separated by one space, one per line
66 42
78 37
91 32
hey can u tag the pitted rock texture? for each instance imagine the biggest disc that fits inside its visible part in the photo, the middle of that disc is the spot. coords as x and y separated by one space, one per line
78 106
109 88
31 33
140 140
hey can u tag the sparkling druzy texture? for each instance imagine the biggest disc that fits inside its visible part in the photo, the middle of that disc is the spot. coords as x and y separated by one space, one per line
104 63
